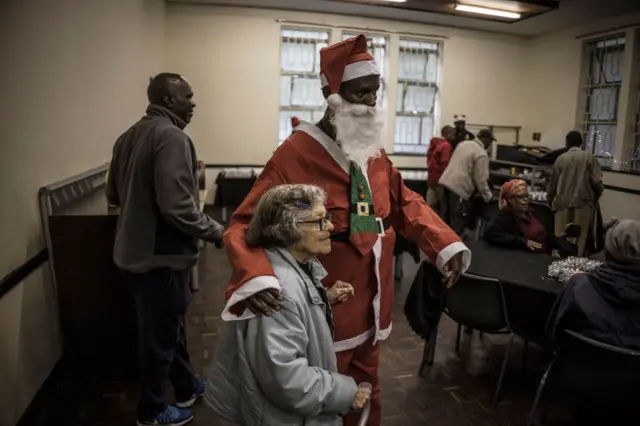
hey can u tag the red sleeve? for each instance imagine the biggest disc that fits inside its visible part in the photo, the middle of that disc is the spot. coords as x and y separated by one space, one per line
416 221
248 262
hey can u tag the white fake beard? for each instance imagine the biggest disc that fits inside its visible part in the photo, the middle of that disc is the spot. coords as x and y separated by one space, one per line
360 129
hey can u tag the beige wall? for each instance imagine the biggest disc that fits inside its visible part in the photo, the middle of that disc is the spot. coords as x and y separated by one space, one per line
77 74
231 57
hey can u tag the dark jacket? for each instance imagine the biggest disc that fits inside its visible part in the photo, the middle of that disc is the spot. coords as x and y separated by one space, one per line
603 305
425 300
153 179
504 231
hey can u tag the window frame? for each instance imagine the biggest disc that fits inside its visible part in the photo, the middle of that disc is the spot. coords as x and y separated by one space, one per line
298 74
613 43
402 85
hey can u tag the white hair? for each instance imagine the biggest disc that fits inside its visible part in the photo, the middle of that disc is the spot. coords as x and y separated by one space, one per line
275 222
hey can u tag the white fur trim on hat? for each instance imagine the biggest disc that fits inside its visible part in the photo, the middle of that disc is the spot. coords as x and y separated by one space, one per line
355 70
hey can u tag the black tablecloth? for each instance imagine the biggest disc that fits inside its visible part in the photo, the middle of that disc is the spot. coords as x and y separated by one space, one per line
529 292
517 267
418 186
230 192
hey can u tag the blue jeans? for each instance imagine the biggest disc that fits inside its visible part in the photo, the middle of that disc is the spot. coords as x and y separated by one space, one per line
162 297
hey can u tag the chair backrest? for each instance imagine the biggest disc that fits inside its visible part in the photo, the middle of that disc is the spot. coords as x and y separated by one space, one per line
598 373
477 302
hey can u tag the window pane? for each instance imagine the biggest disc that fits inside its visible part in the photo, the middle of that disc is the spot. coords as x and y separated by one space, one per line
603 103
285 90
411 66
607 66
419 99
284 128
300 57
407 130
307 92
601 139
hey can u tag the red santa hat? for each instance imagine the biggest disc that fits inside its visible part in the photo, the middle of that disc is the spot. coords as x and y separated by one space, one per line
459 117
295 122
346 61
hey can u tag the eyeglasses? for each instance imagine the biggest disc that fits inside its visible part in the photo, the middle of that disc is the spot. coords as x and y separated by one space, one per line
322 222
522 196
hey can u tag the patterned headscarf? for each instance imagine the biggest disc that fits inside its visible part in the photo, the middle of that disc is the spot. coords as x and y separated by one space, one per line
622 241
508 190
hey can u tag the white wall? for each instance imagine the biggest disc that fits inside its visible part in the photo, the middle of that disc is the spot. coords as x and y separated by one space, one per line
231 57
74 77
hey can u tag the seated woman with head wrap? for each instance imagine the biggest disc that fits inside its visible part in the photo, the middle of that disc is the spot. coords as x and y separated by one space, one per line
515 226
604 304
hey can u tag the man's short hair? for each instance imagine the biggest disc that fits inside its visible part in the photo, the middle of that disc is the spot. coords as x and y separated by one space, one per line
159 86
574 139
445 129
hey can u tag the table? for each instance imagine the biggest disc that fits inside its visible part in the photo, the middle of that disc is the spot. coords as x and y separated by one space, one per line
529 292
231 191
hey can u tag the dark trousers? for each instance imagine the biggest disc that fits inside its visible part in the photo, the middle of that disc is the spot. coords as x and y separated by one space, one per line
454 211
162 297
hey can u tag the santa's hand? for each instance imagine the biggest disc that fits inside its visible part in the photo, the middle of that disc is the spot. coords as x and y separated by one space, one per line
453 269
339 292
265 302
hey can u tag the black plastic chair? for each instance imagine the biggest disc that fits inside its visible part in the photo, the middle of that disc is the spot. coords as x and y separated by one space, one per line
478 303
597 374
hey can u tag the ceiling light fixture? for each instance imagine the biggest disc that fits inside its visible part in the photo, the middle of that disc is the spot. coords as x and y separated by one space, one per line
395 1
487 11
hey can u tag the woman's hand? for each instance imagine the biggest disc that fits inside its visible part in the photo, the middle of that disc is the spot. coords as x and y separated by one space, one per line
339 292
533 246
362 397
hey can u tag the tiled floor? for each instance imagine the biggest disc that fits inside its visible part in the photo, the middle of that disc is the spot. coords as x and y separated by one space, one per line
456 391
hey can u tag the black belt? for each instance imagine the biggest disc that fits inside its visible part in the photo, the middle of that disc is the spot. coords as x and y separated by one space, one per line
343 237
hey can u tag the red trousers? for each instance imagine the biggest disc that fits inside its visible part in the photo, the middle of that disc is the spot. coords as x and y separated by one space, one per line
361 363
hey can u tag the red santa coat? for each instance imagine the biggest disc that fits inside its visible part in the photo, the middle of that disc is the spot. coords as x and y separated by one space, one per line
309 156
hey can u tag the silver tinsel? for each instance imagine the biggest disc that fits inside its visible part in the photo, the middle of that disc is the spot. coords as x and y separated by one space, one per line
563 269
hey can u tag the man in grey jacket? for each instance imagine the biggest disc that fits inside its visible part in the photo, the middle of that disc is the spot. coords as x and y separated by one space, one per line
466 174
152 178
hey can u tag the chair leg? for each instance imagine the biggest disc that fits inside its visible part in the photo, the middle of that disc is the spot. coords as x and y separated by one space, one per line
428 351
503 370
458 337
536 401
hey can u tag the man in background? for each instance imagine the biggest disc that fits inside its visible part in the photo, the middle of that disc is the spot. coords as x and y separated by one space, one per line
153 179
438 157
466 175
574 187
461 133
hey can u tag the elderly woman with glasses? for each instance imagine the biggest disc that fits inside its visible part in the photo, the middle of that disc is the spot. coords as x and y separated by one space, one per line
516 227
281 369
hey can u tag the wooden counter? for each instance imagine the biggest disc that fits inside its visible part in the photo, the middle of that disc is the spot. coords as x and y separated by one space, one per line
96 308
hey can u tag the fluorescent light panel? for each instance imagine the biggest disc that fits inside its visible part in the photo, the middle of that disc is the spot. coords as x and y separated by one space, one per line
394 1
487 11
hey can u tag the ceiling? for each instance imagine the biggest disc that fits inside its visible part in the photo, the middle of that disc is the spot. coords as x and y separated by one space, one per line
568 13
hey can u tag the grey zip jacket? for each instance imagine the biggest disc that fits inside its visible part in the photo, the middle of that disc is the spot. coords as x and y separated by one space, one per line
281 370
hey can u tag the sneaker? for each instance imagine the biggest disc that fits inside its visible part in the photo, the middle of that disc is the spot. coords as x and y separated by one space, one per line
171 416
197 394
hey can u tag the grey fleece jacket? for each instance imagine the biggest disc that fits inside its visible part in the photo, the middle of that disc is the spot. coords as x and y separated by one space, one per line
153 179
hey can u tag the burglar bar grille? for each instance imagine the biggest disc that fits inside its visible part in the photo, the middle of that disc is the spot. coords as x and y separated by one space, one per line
604 60
300 87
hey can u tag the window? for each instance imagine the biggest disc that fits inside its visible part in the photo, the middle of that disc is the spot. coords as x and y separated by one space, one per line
377 46
416 103
300 87
604 62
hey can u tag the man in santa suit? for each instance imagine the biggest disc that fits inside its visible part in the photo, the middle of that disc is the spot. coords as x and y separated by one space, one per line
368 202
